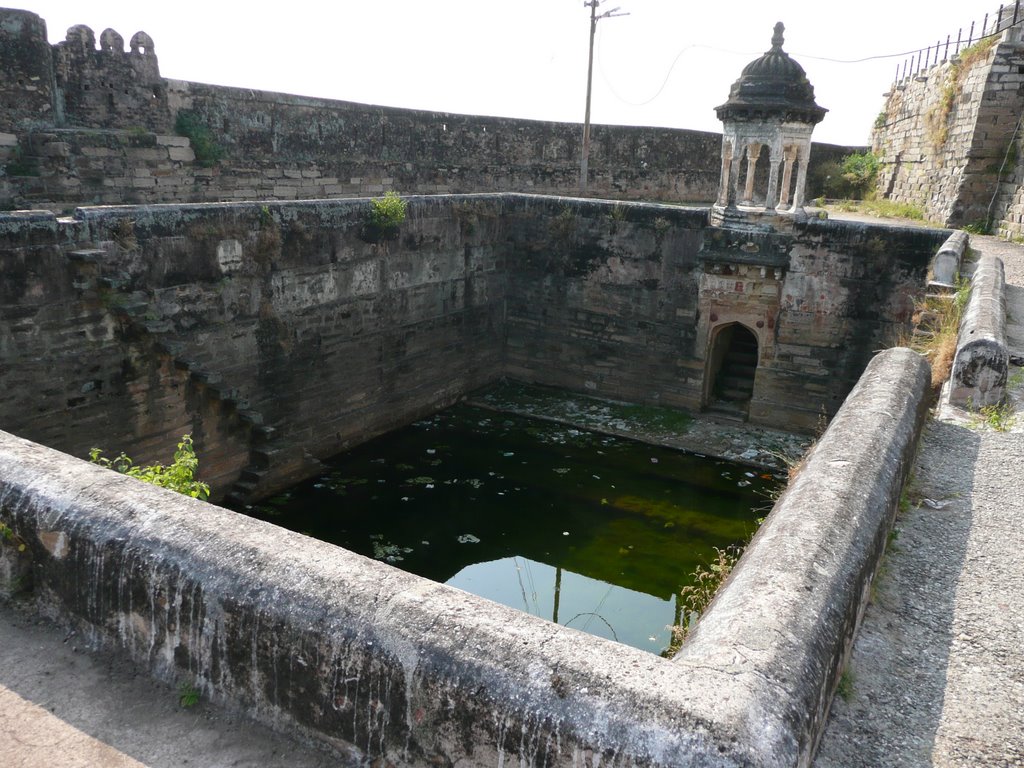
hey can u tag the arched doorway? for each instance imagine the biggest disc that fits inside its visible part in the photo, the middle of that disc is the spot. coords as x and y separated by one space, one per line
731 370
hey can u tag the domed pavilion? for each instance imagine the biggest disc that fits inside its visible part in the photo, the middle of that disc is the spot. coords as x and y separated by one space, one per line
771 106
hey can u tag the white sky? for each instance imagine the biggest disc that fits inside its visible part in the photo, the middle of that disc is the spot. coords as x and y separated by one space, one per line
529 58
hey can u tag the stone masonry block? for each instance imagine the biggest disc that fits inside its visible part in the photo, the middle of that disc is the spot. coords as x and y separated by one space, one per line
172 141
181 154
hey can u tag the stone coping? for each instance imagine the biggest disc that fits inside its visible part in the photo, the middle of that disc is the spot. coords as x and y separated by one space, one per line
945 267
305 635
982 360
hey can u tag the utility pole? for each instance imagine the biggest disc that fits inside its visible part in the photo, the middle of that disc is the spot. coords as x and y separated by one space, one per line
594 18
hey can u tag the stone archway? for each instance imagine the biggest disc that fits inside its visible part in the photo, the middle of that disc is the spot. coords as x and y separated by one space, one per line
732 365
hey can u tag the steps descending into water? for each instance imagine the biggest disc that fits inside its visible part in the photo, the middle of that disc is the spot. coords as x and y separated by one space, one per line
734 384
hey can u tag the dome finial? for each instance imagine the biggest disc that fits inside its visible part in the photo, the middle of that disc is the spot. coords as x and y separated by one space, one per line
777 39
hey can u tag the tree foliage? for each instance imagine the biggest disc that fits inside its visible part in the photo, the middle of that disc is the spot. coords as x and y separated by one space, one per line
852 178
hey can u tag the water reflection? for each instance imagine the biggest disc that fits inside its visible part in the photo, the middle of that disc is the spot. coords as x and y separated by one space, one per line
573 600
600 531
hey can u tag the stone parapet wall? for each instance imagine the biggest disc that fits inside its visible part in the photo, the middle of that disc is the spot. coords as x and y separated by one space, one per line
982 361
356 149
407 671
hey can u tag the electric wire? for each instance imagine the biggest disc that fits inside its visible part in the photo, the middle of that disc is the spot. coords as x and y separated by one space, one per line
692 46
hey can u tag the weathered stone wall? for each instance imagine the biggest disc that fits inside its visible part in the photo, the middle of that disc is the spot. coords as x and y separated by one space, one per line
26 70
625 301
108 87
77 374
947 134
279 334
276 335
97 130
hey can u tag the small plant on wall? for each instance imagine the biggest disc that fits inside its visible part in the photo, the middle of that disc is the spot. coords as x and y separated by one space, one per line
179 476
207 151
385 217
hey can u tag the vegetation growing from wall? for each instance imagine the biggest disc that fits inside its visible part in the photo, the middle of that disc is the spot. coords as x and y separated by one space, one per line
880 207
936 325
207 151
696 597
385 217
937 118
179 476
387 212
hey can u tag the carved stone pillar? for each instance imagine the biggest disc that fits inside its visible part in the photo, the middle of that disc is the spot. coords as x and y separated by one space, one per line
753 152
787 177
772 198
723 183
734 180
801 178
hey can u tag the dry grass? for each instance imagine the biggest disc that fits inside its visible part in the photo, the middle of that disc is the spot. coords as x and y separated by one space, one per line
696 597
936 325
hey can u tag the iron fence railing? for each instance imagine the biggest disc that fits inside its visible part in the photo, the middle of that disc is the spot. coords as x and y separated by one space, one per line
1008 15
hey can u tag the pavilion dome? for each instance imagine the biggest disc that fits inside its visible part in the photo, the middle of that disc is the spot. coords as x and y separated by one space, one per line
774 85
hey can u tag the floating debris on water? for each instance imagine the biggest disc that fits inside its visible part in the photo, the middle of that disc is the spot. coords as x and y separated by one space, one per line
468 538
386 551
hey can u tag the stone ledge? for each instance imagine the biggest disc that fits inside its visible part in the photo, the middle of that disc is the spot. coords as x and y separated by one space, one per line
305 635
945 266
774 643
982 360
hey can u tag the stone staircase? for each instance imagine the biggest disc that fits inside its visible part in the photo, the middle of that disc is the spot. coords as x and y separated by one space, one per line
734 384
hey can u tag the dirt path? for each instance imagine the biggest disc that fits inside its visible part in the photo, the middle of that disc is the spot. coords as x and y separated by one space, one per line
937 673
62 706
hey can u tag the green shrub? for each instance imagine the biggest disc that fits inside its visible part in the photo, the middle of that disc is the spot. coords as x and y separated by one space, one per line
860 170
386 215
208 152
180 476
387 212
852 178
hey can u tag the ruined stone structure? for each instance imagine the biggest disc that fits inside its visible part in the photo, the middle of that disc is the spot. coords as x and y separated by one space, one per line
949 136
281 333
81 125
770 107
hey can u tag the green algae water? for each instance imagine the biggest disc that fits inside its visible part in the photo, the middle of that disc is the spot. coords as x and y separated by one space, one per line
587 530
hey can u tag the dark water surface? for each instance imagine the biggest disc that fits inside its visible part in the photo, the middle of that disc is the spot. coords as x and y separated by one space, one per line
587 530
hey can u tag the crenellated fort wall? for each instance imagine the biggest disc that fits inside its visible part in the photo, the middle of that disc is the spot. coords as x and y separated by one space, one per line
88 124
